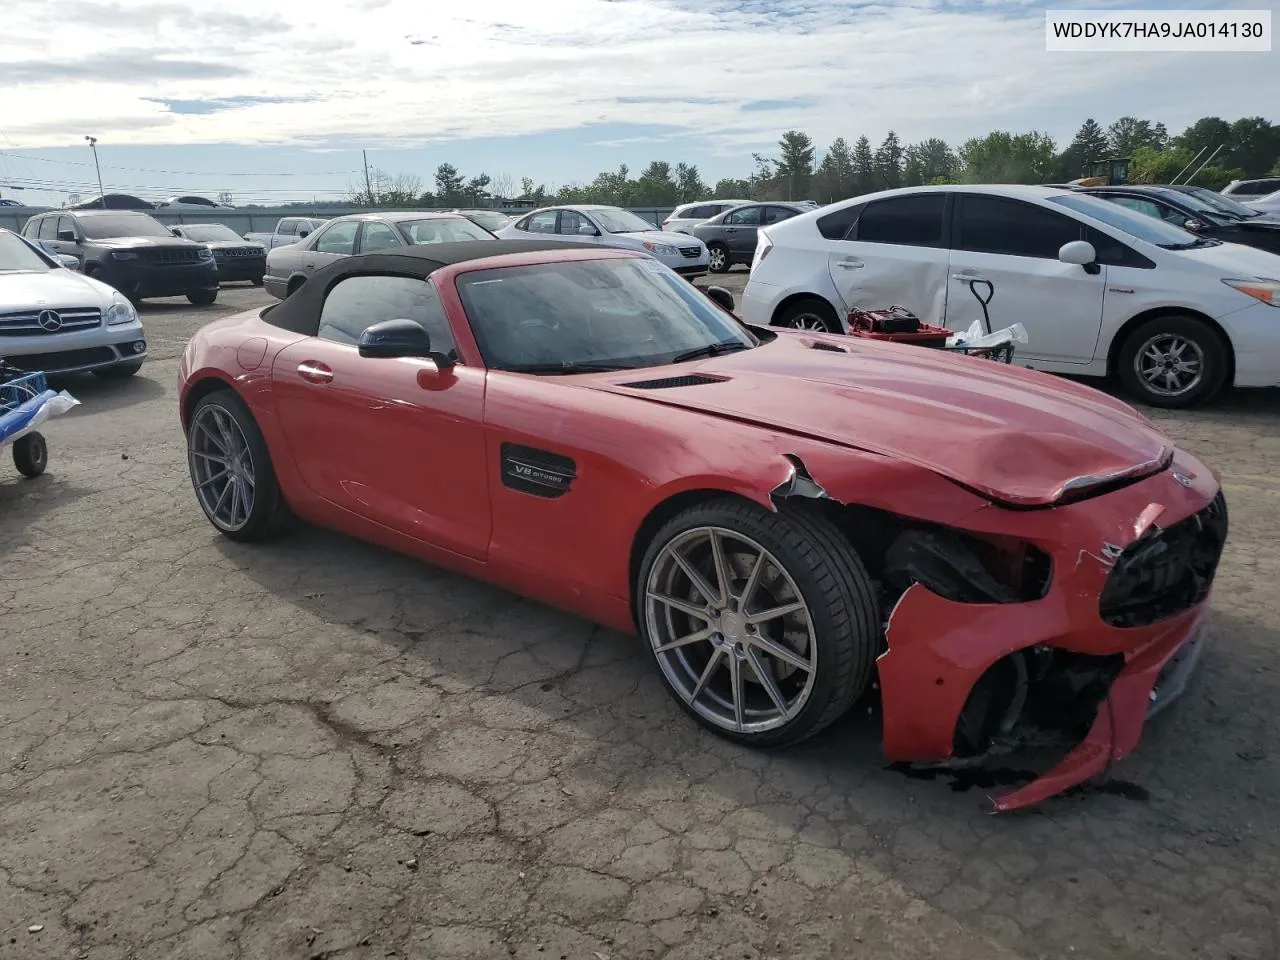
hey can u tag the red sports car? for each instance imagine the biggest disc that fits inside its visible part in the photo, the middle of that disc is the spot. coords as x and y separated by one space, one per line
787 519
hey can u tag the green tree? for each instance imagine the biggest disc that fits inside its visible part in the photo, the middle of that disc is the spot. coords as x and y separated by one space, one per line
1207 133
793 172
864 167
1090 143
835 173
655 187
1255 145
930 160
688 183
477 189
1002 157
449 184
729 188
1274 171
1127 134
888 162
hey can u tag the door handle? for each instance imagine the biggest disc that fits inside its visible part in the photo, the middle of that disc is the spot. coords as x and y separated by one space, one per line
850 263
969 277
313 371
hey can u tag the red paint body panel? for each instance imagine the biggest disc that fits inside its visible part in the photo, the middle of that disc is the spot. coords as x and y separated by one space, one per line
400 454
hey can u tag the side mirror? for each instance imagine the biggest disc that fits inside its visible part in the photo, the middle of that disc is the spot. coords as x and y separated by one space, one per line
303 232
586 230
175 231
721 297
400 338
71 263
1079 252
67 236
1195 226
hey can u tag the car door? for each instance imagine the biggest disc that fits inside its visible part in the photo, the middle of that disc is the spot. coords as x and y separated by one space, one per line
67 238
398 442
738 231
1005 250
895 253
541 224
378 235
331 242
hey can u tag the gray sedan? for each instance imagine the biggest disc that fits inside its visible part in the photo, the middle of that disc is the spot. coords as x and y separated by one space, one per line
731 236
289 266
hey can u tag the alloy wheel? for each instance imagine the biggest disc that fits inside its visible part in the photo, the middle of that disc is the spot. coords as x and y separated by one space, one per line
718 258
221 467
730 630
1169 365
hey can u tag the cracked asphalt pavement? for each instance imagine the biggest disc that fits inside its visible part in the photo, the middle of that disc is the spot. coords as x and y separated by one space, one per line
318 749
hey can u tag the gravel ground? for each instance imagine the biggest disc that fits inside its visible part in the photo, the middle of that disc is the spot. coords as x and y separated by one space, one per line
317 749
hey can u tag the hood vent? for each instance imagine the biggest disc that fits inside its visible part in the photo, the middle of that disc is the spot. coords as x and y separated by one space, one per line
666 383
819 345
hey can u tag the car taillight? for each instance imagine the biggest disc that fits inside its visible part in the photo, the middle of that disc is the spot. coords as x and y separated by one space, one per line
763 246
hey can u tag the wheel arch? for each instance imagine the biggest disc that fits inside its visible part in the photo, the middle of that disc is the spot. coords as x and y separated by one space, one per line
204 386
1123 334
295 281
795 298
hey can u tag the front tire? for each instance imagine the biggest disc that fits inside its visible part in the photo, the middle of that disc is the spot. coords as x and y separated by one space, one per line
202 298
718 258
812 314
31 454
764 626
231 472
1173 361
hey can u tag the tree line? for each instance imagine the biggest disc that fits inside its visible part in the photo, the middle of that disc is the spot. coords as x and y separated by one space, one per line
1247 147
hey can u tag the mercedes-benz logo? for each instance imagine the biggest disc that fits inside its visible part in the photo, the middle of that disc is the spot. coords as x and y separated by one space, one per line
1183 479
50 320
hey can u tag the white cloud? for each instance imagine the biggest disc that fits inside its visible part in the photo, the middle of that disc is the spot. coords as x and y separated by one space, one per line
404 72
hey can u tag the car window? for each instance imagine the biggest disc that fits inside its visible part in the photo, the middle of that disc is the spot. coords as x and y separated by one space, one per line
748 217
575 224
625 312
1152 208
1149 229
443 230
776 215
287 228
836 226
65 223
377 235
914 220
544 222
358 302
49 228
1256 188
1112 253
1012 227
338 238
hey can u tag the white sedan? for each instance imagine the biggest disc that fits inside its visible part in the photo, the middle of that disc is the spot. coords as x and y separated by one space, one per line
58 321
1268 203
1100 289
613 227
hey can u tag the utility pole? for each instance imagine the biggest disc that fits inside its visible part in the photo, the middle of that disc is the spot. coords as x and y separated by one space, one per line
368 184
102 194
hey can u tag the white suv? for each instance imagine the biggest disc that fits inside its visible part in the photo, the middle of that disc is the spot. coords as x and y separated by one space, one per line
1100 289
687 216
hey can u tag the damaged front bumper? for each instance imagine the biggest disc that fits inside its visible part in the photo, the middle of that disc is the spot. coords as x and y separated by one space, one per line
1112 640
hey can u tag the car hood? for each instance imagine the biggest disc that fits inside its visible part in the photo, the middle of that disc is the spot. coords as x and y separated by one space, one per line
134 243
55 289
653 236
1012 435
232 245
1235 260
1268 221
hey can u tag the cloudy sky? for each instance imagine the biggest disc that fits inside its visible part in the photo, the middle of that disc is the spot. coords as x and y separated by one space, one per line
277 100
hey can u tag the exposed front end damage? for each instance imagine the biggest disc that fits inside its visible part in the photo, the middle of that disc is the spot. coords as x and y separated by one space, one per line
1060 628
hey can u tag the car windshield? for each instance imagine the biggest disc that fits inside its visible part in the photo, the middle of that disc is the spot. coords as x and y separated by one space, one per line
1220 203
584 315
209 232
16 256
490 221
617 220
123 225
1138 225
442 230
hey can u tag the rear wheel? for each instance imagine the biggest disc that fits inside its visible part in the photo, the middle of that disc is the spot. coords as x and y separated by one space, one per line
256 281
231 469
811 313
763 625
31 454
718 261
202 298
1174 360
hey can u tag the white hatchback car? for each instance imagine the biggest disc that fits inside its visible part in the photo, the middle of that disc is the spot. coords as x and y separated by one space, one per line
58 321
613 227
688 215
1100 289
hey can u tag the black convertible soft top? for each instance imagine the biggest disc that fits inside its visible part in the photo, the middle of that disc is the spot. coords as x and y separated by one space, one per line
300 311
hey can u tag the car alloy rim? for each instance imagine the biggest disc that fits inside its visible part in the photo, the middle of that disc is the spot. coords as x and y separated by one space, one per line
730 630
1169 365
808 321
221 468
717 258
